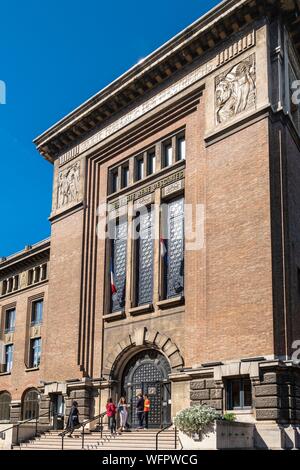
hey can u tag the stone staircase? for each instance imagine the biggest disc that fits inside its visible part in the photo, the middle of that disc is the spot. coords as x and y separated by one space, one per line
131 440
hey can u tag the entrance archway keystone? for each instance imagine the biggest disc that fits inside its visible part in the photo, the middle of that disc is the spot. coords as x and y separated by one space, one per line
137 340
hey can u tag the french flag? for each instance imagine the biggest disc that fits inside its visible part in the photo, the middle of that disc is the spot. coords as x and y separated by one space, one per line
163 248
112 281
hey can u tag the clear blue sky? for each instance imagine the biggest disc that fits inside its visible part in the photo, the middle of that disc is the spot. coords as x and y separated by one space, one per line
55 54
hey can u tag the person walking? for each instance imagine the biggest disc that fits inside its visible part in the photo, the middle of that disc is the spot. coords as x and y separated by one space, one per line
146 410
111 414
73 421
140 410
123 414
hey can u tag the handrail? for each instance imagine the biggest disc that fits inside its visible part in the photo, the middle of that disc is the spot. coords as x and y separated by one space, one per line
24 422
18 425
164 429
101 416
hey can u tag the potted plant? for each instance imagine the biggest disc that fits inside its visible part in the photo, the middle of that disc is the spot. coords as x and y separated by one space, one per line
196 421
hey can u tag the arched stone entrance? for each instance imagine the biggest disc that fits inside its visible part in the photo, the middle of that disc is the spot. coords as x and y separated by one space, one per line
143 361
148 372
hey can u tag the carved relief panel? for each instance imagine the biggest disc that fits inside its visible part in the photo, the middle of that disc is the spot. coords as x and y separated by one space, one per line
235 90
68 185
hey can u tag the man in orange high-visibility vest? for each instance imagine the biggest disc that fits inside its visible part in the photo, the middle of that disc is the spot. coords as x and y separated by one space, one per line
146 410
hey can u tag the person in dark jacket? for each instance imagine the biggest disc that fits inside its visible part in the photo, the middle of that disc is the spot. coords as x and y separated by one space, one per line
140 410
73 420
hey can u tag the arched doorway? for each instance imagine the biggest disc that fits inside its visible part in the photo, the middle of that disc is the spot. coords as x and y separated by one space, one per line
148 372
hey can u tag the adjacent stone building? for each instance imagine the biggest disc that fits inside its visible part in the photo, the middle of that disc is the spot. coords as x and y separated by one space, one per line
199 144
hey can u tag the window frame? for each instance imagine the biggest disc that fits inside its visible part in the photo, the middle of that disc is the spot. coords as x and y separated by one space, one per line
34 408
180 137
125 170
164 234
136 256
33 304
5 418
150 154
6 312
139 159
7 370
167 144
32 352
111 265
114 180
229 398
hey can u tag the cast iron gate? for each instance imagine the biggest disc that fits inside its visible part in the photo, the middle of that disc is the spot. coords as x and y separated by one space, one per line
147 373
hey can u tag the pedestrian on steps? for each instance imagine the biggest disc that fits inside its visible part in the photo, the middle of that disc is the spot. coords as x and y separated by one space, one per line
146 410
140 410
111 410
123 414
73 421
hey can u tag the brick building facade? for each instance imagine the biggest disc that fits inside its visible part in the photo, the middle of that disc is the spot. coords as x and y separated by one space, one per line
210 313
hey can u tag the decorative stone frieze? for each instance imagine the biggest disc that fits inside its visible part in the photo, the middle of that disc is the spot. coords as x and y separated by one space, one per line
68 186
235 90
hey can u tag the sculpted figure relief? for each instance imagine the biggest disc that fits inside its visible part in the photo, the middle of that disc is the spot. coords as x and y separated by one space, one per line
68 185
235 90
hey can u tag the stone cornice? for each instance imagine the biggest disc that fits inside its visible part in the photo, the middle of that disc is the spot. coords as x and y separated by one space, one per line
209 31
25 257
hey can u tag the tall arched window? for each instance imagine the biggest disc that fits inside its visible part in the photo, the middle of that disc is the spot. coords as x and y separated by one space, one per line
31 404
5 400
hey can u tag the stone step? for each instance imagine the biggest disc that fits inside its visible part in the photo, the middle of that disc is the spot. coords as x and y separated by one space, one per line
132 440
112 444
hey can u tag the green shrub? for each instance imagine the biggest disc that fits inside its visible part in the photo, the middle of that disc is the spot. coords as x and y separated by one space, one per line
229 417
196 420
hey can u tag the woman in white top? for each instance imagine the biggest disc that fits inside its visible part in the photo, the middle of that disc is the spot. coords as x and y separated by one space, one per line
123 413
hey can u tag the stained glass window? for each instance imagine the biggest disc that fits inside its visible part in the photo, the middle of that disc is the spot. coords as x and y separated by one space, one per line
144 256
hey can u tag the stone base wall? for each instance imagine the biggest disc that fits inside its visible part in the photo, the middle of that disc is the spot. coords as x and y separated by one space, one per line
277 394
207 392
275 389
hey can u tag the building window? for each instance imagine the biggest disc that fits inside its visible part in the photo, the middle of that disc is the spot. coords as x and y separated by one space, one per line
151 162
37 312
239 394
144 257
10 320
30 277
10 284
125 176
181 148
35 352
9 353
114 180
172 248
167 154
4 287
118 266
139 168
5 400
44 272
31 404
